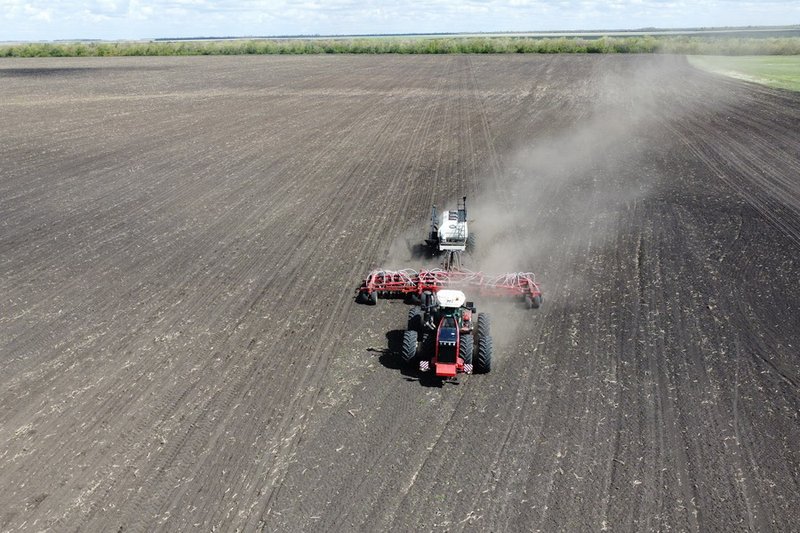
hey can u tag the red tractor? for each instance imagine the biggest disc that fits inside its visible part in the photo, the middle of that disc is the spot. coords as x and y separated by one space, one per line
448 336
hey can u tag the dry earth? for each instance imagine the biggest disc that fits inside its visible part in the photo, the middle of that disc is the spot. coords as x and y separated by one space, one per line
180 239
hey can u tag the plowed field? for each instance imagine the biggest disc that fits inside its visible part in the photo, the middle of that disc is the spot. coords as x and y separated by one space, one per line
181 238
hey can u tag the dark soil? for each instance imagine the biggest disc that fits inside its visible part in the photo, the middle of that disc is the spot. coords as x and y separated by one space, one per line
181 238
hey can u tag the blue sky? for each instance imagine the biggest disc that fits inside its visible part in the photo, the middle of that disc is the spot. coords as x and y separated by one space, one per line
136 19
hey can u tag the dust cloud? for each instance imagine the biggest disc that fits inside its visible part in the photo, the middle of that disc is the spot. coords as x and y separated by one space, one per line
566 193
565 190
560 195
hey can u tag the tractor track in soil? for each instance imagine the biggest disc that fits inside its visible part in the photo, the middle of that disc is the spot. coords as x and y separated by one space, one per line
180 240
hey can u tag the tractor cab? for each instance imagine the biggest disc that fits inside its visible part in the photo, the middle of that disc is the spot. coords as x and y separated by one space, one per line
447 345
447 362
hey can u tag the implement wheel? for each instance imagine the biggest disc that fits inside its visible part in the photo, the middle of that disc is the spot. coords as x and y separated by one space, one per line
533 302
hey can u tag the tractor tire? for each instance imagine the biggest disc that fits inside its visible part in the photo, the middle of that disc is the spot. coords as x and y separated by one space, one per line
537 301
471 239
372 298
362 298
415 319
465 348
409 350
483 357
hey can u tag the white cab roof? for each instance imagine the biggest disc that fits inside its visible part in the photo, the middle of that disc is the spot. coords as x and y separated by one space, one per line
450 298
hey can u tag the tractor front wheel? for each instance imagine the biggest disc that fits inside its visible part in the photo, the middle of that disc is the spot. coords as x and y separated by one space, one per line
409 349
415 319
465 348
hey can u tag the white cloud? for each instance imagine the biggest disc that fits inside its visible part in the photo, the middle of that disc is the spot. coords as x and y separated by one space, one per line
37 13
139 10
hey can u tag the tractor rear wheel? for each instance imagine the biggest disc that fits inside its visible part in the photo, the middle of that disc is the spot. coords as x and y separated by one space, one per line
465 348
409 349
415 319
483 357
471 242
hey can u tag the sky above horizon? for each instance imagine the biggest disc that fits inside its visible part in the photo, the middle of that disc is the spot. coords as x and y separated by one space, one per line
35 20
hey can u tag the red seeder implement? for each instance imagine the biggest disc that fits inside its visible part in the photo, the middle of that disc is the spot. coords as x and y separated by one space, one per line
394 283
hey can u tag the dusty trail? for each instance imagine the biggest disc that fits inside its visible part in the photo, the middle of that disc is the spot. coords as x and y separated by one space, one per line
180 239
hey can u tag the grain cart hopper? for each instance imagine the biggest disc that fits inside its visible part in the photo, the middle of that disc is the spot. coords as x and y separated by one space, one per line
449 235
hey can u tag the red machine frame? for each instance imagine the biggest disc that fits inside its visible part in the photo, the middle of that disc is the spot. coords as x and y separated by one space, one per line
390 283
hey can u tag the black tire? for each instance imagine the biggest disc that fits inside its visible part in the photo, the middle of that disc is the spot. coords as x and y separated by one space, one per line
537 301
483 356
413 298
372 298
409 350
528 302
362 298
471 239
415 319
419 251
465 348
483 325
